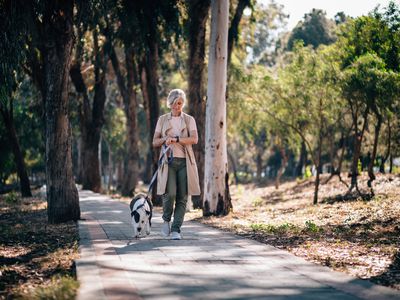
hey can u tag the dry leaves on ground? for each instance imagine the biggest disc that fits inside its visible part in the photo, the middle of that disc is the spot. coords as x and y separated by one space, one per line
359 237
35 256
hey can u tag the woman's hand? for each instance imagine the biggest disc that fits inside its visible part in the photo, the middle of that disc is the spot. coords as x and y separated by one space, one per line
170 140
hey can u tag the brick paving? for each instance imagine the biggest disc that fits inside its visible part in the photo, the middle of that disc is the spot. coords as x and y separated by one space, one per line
206 264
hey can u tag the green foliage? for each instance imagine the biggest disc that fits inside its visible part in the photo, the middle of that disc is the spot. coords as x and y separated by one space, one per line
257 201
396 170
307 172
272 229
285 228
29 125
312 227
314 30
260 31
11 198
114 131
308 98
376 33
12 50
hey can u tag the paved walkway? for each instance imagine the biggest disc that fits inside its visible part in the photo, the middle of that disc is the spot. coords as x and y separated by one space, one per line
206 264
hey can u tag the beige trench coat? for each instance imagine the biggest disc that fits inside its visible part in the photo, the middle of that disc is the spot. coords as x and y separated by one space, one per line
191 166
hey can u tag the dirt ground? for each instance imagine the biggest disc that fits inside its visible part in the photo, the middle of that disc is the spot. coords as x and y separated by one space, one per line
355 236
36 259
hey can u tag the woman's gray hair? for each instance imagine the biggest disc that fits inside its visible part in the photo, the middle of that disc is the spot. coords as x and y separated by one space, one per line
174 95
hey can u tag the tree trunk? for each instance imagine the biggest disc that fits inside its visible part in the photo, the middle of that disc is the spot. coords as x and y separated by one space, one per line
318 163
217 200
79 161
258 165
198 15
109 169
146 100
94 123
233 164
302 159
154 105
316 186
282 167
91 119
83 101
16 149
375 147
358 136
337 171
120 175
388 151
130 103
62 195
233 33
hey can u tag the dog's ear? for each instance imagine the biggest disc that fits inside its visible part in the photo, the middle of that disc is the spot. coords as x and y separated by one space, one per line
136 215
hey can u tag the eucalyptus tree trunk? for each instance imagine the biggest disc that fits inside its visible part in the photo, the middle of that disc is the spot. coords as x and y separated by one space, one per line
62 195
217 200
198 15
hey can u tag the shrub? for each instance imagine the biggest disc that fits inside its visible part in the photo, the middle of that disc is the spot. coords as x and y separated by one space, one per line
312 227
11 198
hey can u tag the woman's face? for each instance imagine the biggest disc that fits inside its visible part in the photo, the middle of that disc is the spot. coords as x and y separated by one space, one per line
177 106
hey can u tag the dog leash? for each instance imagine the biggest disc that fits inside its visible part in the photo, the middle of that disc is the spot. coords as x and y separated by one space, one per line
170 157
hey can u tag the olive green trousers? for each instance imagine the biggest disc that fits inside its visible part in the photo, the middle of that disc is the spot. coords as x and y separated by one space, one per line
176 194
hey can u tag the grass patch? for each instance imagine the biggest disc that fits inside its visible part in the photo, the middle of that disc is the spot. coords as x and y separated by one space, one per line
311 227
257 201
60 288
285 228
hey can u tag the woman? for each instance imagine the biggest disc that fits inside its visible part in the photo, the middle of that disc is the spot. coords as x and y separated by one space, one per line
177 180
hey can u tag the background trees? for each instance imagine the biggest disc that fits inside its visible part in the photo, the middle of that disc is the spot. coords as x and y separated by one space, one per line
12 52
323 98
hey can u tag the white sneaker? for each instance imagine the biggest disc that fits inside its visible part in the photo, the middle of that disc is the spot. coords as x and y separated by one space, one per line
176 235
165 229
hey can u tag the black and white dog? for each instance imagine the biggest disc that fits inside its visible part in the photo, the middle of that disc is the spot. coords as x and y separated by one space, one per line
141 213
